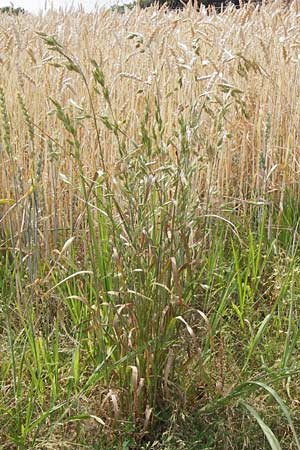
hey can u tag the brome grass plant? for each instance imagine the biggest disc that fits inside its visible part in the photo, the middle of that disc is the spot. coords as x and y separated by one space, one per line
149 215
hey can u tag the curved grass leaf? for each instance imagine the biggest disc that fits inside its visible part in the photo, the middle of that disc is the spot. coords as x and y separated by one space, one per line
270 436
282 405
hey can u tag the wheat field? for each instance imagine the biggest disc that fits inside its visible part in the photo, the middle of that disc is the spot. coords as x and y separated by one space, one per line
234 75
149 216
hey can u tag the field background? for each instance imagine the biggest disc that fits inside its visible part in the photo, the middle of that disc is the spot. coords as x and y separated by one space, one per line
149 215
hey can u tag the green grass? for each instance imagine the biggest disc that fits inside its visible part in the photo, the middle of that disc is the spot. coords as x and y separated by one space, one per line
159 322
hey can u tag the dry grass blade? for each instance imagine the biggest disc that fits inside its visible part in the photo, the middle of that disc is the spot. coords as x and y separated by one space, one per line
205 376
176 279
167 370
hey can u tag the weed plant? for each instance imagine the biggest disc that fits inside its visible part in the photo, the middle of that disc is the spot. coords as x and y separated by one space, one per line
149 231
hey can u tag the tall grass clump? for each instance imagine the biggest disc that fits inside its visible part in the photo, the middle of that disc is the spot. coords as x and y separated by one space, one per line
149 220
